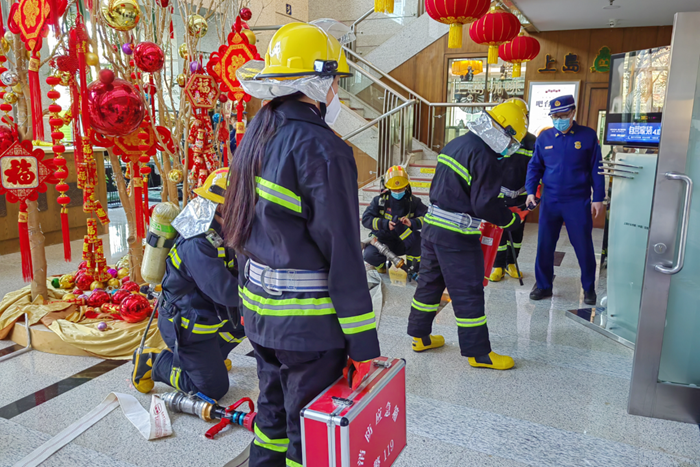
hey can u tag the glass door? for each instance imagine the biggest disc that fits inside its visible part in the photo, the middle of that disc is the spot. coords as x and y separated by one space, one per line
666 372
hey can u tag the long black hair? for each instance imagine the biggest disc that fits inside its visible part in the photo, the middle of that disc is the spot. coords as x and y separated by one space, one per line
239 208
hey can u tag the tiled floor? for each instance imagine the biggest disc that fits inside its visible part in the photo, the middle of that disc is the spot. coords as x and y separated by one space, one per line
563 405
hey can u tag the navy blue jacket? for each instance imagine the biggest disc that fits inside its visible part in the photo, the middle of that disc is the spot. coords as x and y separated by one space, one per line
385 208
306 218
468 180
200 278
514 169
568 165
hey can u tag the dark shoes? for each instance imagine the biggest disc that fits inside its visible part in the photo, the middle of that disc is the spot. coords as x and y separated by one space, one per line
590 298
539 294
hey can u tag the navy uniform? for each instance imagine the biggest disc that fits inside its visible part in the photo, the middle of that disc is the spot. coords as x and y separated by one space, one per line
402 240
514 193
568 165
466 185
305 299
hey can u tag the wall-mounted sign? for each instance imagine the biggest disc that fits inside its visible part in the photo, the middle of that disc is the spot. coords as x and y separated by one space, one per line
541 92
288 9
601 64
549 65
571 64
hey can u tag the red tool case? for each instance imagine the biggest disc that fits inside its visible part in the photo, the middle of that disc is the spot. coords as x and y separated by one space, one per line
365 427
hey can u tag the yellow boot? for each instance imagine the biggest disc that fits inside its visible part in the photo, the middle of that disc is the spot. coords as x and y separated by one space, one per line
492 360
143 366
228 364
512 271
496 275
381 269
426 343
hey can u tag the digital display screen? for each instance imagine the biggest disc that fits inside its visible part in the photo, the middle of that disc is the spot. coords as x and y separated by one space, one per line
637 90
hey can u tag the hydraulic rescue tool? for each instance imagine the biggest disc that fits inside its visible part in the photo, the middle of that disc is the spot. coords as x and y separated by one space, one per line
397 261
207 409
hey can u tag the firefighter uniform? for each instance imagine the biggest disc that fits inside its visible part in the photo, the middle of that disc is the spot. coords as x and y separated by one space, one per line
567 163
197 316
303 328
514 193
402 240
467 184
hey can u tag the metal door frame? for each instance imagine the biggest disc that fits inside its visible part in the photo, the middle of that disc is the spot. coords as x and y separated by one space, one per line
649 397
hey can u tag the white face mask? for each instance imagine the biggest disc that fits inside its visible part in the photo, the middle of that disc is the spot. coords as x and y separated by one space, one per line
333 109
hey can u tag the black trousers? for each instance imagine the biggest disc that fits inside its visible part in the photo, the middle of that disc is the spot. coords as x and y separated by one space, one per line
504 256
398 247
462 272
288 380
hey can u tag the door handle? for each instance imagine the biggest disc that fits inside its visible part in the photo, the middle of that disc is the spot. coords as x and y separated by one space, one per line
680 253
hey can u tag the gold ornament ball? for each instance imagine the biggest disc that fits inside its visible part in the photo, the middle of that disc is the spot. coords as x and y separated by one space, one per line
123 262
122 15
10 98
67 281
92 59
5 44
197 26
122 273
97 285
182 50
175 175
114 282
9 37
181 80
17 88
69 296
250 35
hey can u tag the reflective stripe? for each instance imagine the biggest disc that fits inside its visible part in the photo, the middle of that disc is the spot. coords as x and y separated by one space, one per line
231 263
525 152
201 328
503 248
423 307
470 322
456 166
413 258
405 235
512 221
388 216
437 222
518 245
287 307
175 258
291 463
175 377
228 337
298 280
375 223
421 220
512 193
357 324
221 251
277 194
277 445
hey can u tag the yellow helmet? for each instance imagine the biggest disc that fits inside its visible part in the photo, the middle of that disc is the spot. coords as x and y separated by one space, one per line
301 49
520 103
511 117
396 178
214 188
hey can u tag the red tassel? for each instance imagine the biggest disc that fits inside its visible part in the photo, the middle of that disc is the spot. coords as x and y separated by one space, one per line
172 30
24 246
35 95
82 69
53 11
65 230
138 205
2 23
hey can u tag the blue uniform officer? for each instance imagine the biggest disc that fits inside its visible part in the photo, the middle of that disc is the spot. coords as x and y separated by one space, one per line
567 160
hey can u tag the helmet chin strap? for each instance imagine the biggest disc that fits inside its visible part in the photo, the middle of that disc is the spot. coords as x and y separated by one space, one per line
324 108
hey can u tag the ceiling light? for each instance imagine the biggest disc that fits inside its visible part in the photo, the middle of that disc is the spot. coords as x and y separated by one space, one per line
611 6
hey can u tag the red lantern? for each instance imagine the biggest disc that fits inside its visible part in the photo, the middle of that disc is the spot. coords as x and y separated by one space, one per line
456 13
521 49
495 28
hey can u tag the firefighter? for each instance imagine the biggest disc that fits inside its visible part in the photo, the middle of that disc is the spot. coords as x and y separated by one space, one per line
395 217
514 193
292 218
464 191
197 315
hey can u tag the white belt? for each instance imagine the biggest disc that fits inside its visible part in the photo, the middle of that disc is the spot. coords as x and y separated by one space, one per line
276 281
512 194
460 220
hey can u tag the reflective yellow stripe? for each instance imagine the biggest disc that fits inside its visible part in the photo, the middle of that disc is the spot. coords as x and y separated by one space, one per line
357 324
291 463
432 220
375 223
201 328
471 322
503 248
525 152
517 245
388 216
287 307
277 445
221 252
228 337
175 258
405 235
423 307
413 258
456 166
512 221
421 220
231 263
175 377
277 194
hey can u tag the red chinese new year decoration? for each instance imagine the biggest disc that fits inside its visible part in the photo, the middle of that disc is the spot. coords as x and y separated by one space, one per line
521 49
23 175
201 91
115 106
127 147
493 29
456 13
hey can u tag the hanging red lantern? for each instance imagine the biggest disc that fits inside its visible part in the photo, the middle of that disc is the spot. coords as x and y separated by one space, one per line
495 28
456 13
521 49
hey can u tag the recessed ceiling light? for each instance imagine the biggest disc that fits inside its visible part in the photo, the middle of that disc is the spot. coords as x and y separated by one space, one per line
611 6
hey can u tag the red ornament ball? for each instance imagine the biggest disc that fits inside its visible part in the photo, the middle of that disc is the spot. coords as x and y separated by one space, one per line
130 286
83 281
246 14
106 76
149 57
115 107
119 296
6 138
134 308
97 298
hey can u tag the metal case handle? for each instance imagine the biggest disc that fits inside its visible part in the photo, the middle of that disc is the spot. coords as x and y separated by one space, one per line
680 255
